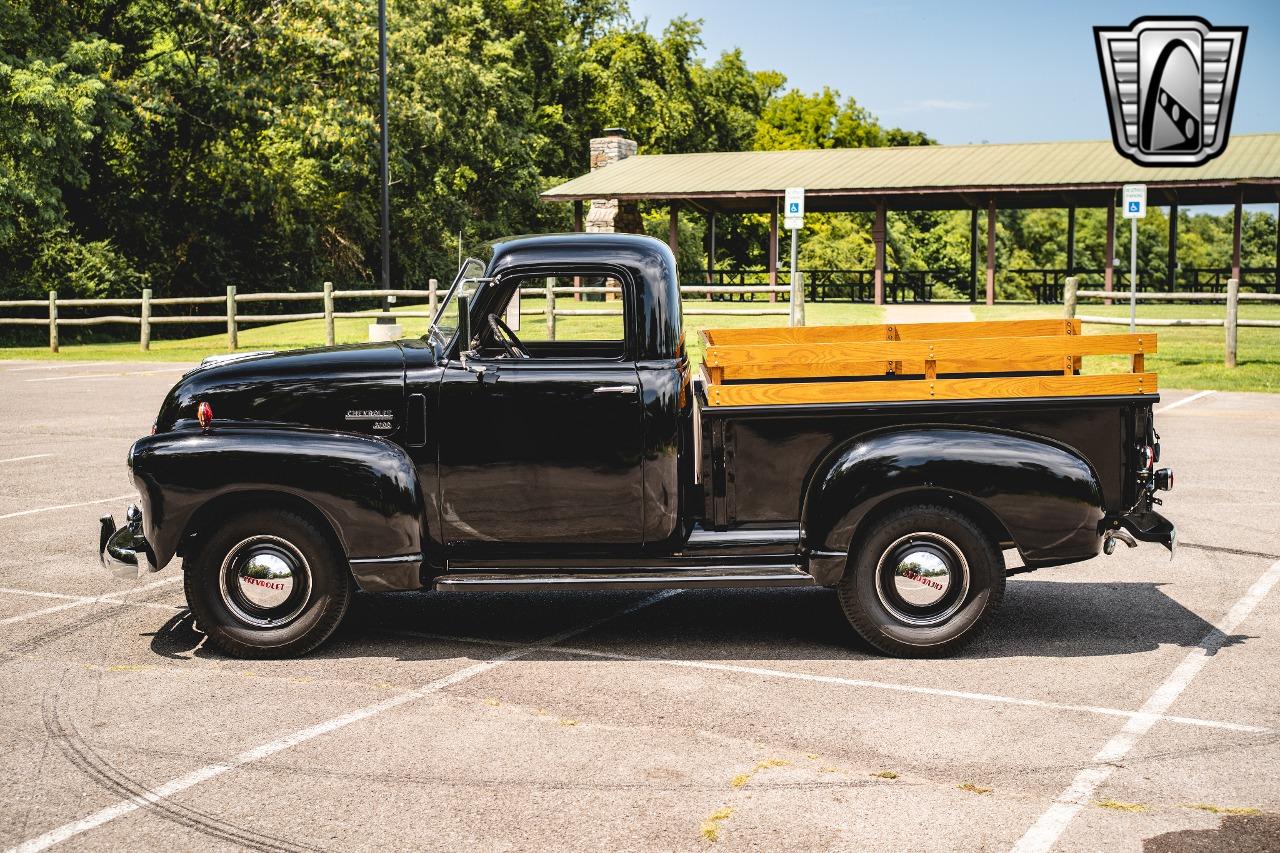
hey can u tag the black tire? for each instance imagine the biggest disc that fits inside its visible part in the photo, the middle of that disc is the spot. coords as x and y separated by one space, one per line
319 589
891 609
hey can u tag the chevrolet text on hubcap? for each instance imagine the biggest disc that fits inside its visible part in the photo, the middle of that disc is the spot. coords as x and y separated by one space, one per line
265 581
922 579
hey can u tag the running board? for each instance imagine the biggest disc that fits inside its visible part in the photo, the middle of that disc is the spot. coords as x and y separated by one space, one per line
707 578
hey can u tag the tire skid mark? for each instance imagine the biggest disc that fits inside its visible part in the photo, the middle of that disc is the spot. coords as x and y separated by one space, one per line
62 732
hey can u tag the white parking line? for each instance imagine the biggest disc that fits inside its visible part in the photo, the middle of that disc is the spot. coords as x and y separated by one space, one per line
65 506
76 376
1049 828
110 375
86 599
81 601
25 458
266 750
987 698
1188 399
60 366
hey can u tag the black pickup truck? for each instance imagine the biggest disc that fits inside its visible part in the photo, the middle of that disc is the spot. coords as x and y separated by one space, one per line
861 458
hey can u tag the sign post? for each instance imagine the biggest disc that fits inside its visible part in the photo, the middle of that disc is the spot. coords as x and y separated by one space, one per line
1134 207
793 221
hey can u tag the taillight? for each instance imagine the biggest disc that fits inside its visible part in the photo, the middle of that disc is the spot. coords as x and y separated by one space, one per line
204 414
1147 457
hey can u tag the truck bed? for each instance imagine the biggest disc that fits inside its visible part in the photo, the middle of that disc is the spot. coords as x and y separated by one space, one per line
773 403
916 361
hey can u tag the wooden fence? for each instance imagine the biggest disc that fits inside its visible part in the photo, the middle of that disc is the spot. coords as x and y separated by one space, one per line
232 317
1231 322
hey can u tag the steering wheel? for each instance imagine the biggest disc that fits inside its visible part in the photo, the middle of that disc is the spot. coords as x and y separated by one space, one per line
506 337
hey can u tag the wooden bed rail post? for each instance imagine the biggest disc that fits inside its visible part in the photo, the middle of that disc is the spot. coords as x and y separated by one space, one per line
1069 288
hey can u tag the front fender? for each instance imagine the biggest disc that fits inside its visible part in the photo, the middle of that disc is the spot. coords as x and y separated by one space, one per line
366 487
1046 496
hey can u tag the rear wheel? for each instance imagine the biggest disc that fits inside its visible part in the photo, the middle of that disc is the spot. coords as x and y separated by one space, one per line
268 584
922 583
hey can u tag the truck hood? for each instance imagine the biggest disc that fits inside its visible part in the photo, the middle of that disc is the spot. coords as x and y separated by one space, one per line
357 388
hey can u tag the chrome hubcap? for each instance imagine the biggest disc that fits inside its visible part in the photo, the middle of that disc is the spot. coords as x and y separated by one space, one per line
922 579
266 581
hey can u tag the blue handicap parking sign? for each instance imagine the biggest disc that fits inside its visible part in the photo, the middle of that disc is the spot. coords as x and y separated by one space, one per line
1133 206
795 207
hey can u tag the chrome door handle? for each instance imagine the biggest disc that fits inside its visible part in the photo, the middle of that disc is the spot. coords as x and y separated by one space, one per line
615 389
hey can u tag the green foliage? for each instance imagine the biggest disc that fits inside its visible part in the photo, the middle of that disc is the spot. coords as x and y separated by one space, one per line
186 145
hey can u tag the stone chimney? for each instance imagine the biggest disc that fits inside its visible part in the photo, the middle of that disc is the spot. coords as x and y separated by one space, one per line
610 215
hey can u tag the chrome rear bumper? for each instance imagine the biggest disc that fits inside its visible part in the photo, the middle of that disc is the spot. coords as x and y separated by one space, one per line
124 551
1151 526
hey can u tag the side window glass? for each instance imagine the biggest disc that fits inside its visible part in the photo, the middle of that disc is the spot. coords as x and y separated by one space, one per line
590 316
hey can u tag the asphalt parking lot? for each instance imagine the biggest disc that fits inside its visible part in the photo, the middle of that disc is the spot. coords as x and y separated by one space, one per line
1128 703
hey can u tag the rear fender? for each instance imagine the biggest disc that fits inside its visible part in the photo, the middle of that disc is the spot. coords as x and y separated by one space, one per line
1046 496
366 488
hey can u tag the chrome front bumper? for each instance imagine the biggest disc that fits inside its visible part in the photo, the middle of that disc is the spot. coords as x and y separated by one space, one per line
124 551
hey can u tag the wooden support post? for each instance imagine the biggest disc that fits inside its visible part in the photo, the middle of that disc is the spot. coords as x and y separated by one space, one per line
551 308
578 227
1278 248
878 236
973 255
232 330
1069 288
144 334
991 251
711 250
329 337
1109 266
673 231
1172 263
773 250
433 297
1071 240
1233 315
1235 236
53 321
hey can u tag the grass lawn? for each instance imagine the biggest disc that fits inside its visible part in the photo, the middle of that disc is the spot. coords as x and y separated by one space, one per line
1189 357
308 333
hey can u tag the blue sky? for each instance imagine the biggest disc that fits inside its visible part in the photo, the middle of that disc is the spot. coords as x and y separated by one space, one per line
971 72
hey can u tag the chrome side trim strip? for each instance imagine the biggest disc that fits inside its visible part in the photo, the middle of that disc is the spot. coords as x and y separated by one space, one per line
769 536
763 577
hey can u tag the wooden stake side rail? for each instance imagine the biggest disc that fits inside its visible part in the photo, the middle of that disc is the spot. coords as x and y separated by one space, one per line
983 388
955 355
890 332
867 358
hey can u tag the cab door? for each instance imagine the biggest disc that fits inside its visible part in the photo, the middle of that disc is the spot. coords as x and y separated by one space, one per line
542 455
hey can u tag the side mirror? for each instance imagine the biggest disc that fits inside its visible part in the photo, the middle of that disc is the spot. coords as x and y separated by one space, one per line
464 322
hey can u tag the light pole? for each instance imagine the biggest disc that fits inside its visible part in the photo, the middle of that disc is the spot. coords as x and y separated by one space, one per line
383 169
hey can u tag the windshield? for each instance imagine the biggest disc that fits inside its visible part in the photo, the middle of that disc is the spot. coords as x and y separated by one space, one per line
469 279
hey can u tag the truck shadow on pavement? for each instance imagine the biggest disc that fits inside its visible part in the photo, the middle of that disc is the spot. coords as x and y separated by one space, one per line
1038 619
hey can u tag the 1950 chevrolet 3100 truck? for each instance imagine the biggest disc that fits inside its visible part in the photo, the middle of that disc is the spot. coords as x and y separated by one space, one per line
891 463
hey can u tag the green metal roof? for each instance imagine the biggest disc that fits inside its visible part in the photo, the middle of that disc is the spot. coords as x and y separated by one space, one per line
962 173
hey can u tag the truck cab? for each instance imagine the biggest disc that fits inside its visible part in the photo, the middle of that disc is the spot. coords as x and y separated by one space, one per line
485 456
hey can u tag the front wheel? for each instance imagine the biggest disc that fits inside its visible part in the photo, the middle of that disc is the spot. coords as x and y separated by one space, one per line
923 583
267 584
